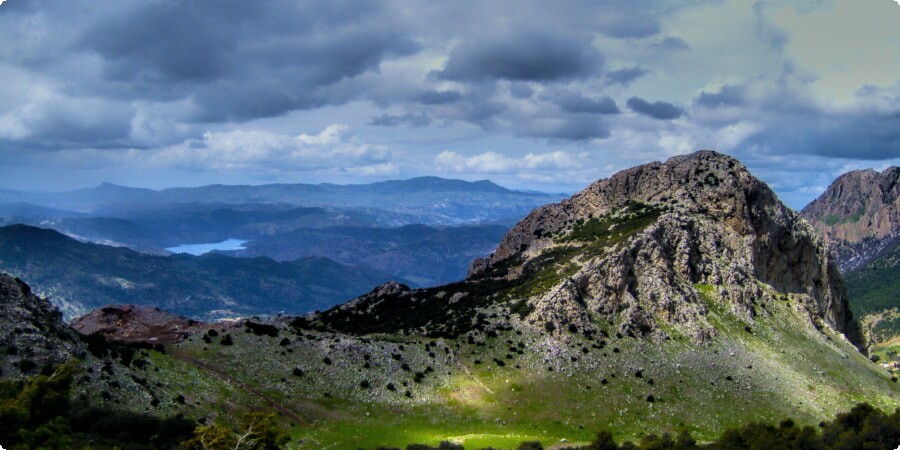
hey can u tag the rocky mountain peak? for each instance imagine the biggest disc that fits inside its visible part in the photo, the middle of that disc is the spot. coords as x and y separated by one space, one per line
32 333
705 182
651 251
859 215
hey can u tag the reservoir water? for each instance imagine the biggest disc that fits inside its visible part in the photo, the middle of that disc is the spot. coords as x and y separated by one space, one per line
199 249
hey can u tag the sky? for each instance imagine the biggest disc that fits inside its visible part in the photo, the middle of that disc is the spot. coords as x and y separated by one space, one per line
537 95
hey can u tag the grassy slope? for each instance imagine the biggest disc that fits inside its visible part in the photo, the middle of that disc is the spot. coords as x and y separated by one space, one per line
780 368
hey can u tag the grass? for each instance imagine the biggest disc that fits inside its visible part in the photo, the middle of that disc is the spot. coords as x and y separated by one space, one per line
784 368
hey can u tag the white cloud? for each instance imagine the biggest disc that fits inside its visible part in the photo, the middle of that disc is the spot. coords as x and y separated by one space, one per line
334 148
493 162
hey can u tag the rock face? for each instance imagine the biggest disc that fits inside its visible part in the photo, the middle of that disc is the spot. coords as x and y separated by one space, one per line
717 226
650 252
32 333
859 215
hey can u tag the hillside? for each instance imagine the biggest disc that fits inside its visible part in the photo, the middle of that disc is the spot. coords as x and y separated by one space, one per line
78 277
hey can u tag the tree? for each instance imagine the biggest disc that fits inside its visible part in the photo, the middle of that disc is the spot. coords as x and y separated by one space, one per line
34 412
603 441
257 431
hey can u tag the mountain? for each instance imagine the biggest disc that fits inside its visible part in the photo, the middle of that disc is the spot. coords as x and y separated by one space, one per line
647 251
32 212
672 296
859 217
427 255
431 200
81 276
423 254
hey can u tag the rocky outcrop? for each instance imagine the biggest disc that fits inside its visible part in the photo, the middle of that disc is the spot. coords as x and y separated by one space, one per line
722 239
32 333
859 215
130 323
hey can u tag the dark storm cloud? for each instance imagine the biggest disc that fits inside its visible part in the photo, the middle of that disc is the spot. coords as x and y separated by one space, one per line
412 120
656 110
727 95
625 76
574 102
163 43
523 58
270 57
432 97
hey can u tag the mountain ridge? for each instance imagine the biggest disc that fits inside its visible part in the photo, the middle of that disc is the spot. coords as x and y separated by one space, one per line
81 276
648 249
858 214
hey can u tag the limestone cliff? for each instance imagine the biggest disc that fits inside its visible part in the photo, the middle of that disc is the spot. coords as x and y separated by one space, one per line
859 215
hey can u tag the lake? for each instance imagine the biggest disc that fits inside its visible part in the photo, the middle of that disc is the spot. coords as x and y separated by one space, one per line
199 249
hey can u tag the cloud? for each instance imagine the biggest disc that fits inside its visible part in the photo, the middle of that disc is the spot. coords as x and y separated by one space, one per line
577 127
261 151
412 120
727 95
521 91
50 121
575 102
432 97
656 110
671 43
625 76
529 57
270 57
873 136
493 162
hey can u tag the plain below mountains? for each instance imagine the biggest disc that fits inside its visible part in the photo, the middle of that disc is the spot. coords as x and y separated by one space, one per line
79 276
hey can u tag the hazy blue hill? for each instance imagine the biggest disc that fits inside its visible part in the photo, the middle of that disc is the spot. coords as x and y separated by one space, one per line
80 276
430 200
427 255
33 212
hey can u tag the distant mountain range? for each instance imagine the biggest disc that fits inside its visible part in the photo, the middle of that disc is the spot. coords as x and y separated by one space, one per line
79 276
431 200
426 230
